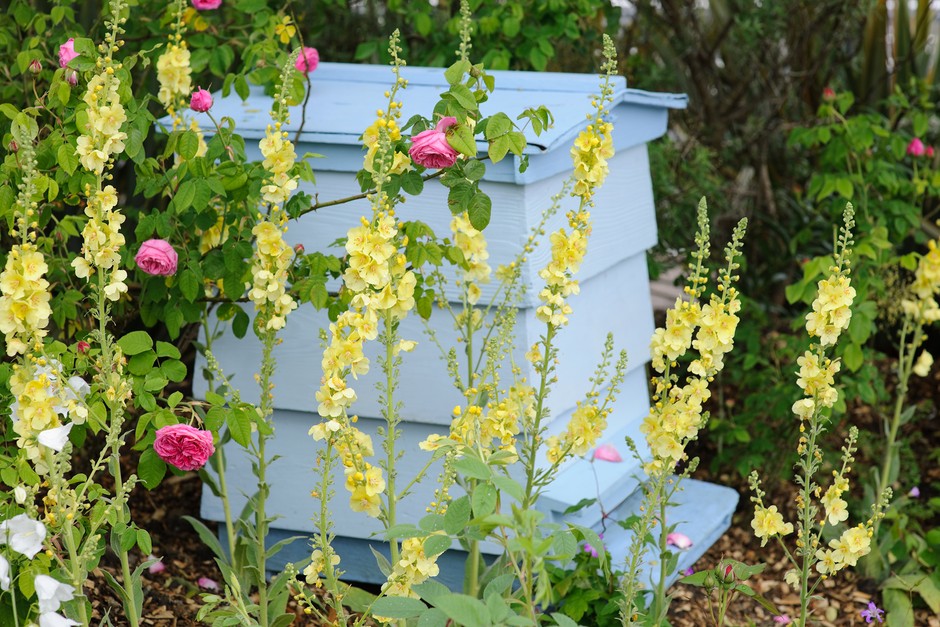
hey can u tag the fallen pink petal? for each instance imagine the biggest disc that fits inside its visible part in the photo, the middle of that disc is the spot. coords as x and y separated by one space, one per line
207 584
607 453
679 540
156 567
783 619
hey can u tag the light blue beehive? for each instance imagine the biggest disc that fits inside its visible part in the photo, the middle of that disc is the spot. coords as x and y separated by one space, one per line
615 296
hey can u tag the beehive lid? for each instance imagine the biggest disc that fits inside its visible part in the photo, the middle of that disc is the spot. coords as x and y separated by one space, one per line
344 99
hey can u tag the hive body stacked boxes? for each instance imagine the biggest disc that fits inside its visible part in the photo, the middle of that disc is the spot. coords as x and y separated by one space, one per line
615 297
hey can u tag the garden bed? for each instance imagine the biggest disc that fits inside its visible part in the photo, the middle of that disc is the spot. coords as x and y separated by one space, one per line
172 596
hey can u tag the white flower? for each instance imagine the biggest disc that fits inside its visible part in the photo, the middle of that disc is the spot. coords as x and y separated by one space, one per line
52 593
55 438
4 573
77 388
51 619
24 535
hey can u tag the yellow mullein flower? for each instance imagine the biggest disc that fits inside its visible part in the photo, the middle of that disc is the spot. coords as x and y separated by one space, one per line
285 30
768 522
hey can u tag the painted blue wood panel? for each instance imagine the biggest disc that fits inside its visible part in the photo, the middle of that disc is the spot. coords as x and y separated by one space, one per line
616 301
624 218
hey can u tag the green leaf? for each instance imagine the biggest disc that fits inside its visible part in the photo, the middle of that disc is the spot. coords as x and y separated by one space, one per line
185 196
135 342
464 97
474 170
853 357
462 141
498 149
473 468
150 468
480 210
239 424
498 125
454 74
465 610
67 158
189 285
457 515
563 621
144 542
165 349
173 370
436 544
398 607
208 538
484 499
188 144
509 486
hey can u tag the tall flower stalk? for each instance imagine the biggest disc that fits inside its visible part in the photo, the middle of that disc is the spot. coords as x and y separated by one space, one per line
679 395
817 508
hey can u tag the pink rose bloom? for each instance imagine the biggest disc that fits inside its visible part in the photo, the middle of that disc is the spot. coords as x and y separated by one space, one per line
679 540
185 447
72 77
916 148
157 257
430 148
607 453
67 52
201 101
206 5
308 60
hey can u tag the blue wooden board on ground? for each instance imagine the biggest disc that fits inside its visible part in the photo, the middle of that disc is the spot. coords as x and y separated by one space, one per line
614 296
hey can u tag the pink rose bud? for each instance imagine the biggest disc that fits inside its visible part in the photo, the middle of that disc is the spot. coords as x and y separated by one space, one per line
206 5
72 77
183 446
299 249
829 94
201 101
67 52
929 152
431 149
607 453
207 584
308 60
916 148
82 346
35 66
157 257
679 540
14 147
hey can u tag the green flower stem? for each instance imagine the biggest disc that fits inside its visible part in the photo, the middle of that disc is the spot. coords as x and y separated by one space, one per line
391 434
332 581
77 573
640 531
220 453
807 520
659 600
261 521
532 445
907 351
114 436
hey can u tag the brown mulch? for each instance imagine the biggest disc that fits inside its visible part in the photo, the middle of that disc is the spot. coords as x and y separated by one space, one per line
172 596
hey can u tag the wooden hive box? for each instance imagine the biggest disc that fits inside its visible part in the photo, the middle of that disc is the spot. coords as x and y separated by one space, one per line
615 296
